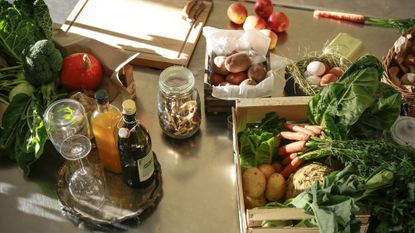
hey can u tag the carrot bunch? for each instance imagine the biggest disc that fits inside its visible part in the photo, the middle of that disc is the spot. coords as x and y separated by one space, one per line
299 134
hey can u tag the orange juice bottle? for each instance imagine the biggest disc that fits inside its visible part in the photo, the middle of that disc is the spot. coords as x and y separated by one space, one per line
104 121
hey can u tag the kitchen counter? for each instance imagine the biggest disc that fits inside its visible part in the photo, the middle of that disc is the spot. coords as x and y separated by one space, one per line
198 173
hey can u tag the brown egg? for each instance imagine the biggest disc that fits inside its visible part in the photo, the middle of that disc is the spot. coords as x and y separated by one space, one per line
336 71
327 79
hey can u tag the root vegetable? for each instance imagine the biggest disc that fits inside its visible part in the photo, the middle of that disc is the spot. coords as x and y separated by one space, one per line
238 62
304 177
251 202
276 187
267 170
314 128
218 65
257 72
292 147
290 168
298 136
277 166
298 128
288 159
253 182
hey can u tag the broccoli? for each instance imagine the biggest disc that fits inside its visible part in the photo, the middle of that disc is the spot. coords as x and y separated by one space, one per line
42 62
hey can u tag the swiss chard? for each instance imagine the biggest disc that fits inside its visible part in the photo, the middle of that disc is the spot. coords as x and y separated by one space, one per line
355 100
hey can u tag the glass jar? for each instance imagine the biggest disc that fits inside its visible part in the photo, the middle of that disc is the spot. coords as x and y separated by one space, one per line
178 103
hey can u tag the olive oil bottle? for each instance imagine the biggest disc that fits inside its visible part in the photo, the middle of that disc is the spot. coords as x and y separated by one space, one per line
134 145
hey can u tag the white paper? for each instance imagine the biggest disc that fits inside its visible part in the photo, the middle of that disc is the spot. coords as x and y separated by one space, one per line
224 42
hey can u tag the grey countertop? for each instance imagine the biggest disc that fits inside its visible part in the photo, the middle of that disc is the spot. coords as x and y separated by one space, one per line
198 173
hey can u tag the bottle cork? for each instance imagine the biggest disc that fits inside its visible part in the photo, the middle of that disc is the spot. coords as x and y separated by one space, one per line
128 107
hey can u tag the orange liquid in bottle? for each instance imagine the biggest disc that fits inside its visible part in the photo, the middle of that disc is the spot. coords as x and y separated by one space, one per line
103 126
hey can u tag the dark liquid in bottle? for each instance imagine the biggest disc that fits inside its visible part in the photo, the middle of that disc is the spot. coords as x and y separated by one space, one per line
136 155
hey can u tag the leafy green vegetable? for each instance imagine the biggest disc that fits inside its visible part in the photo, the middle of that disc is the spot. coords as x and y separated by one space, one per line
392 206
10 77
258 142
384 112
22 23
355 99
334 201
42 62
24 87
24 135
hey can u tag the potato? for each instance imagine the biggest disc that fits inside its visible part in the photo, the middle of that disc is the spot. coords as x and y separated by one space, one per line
251 202
277 166
257 72
235 78
218 65
216 79
248 82
253 182
267 170
237 62
275 187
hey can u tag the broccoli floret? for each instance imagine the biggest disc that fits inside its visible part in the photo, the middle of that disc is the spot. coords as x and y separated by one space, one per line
42 62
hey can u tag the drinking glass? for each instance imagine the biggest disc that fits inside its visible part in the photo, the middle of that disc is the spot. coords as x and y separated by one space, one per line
68 129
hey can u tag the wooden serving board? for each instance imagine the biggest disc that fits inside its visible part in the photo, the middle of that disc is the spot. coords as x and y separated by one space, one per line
155 29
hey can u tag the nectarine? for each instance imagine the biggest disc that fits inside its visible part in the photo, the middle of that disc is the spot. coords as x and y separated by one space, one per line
278 22
254 22
263 8
236 78
272 36
237 13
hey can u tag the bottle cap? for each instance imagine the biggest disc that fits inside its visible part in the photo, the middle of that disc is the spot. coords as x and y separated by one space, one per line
101 96
128 107
403 131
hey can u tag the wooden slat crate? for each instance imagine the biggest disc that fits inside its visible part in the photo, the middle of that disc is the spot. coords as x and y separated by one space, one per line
253 110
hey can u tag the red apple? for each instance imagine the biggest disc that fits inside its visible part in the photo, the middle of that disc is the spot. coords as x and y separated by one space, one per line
254 22
272 36
263 8
278 22
236 78
237 13
216 79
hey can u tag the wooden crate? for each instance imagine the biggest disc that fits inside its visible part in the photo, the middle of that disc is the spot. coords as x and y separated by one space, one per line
253 110
212 104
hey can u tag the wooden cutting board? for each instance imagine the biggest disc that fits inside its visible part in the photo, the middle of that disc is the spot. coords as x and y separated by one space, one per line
155 29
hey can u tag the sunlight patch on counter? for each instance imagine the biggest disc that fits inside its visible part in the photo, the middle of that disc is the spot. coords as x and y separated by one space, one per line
40 205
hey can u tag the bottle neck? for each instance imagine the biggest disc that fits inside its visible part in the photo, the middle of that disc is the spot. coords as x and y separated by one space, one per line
103 107
129 120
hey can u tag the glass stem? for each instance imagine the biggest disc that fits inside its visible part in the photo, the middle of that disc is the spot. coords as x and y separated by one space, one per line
82 167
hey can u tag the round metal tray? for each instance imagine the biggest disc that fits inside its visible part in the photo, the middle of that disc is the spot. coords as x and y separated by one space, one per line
122 203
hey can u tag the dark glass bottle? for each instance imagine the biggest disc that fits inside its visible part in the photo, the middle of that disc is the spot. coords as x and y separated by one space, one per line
134 145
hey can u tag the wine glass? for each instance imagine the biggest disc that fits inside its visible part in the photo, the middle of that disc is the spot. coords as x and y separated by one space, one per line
68 129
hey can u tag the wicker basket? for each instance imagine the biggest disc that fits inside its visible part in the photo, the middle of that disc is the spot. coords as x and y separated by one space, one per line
408 97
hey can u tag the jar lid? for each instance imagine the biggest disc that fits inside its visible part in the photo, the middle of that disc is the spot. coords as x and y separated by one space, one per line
101 96
403 131
128 107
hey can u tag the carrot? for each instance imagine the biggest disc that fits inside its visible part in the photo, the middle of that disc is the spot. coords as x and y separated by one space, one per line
289 158
290 168
355 18
315 128
292 147
298 128
297 136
